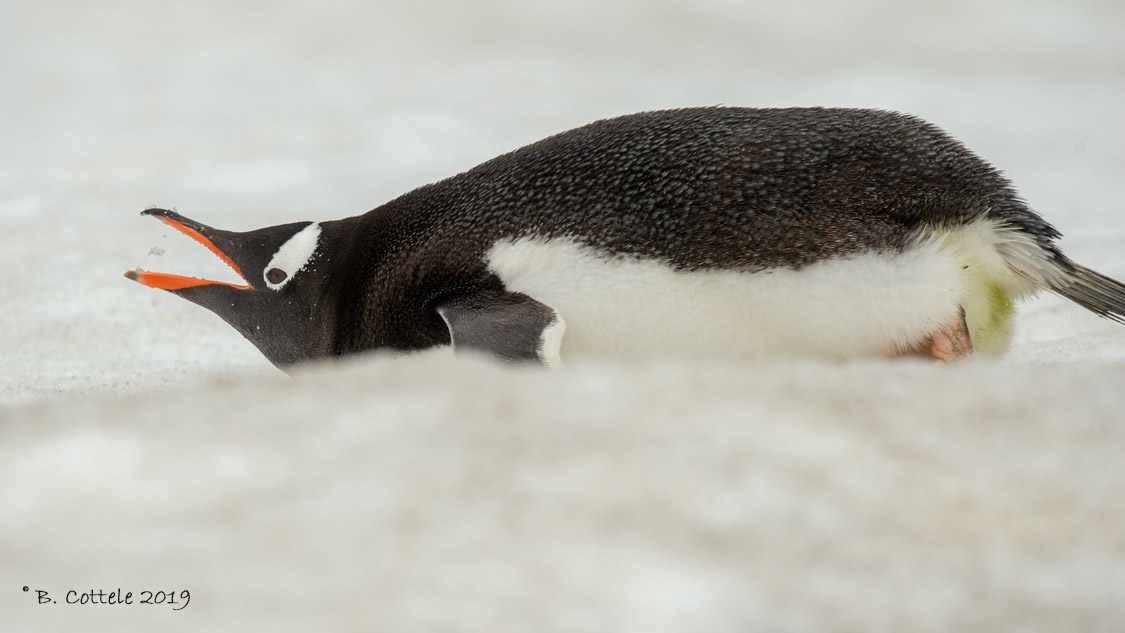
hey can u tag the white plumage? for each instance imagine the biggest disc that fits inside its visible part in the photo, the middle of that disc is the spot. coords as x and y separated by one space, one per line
872 304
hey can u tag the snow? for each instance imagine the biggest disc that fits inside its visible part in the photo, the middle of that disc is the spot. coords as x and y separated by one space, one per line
146 445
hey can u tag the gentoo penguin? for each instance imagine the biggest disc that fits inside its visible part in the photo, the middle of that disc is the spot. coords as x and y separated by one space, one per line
702 231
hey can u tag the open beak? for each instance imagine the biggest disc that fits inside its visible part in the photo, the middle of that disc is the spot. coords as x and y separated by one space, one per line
197 232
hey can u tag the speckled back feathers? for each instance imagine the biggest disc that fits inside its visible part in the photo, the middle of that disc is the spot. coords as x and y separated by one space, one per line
731 188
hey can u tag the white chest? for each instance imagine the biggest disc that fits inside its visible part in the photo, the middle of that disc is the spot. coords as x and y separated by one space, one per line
867 305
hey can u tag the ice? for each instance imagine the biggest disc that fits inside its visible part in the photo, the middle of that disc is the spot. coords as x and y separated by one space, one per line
147 445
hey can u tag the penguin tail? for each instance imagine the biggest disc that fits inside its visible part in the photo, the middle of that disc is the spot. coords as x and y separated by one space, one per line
1092 290
1034 256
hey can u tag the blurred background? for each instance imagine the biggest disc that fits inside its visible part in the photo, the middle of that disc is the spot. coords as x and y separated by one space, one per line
144 443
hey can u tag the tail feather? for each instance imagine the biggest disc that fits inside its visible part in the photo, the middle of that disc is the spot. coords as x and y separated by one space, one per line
1036 258
1092 290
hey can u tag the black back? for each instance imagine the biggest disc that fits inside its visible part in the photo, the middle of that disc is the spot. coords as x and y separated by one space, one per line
723 188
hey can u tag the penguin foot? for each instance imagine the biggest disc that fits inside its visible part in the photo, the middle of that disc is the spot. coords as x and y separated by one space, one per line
952 342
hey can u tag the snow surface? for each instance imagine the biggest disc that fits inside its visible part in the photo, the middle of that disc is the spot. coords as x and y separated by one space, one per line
146 445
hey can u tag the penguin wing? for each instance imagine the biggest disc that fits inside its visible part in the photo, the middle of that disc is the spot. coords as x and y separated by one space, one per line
510 325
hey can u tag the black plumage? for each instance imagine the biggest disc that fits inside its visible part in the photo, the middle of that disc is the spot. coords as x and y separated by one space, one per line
728 188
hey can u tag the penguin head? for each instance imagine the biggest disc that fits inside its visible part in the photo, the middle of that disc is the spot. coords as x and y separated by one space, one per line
281 306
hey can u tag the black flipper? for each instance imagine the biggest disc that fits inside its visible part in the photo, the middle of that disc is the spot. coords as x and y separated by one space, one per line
510 325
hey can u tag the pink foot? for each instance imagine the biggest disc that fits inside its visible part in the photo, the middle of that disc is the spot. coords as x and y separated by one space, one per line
951 342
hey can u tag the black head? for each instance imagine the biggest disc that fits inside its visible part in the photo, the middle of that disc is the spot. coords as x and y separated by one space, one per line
282 307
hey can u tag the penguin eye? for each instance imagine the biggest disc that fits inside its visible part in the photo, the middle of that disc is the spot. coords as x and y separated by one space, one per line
276 275
293 255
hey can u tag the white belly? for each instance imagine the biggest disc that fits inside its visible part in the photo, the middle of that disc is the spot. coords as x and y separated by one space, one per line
865 305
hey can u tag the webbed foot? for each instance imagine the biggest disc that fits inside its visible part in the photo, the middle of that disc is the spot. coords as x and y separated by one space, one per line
952 342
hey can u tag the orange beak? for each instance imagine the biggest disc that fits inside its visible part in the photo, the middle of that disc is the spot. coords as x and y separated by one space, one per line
165 281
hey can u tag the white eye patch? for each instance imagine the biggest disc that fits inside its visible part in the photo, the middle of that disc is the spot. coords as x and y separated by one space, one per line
292 257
